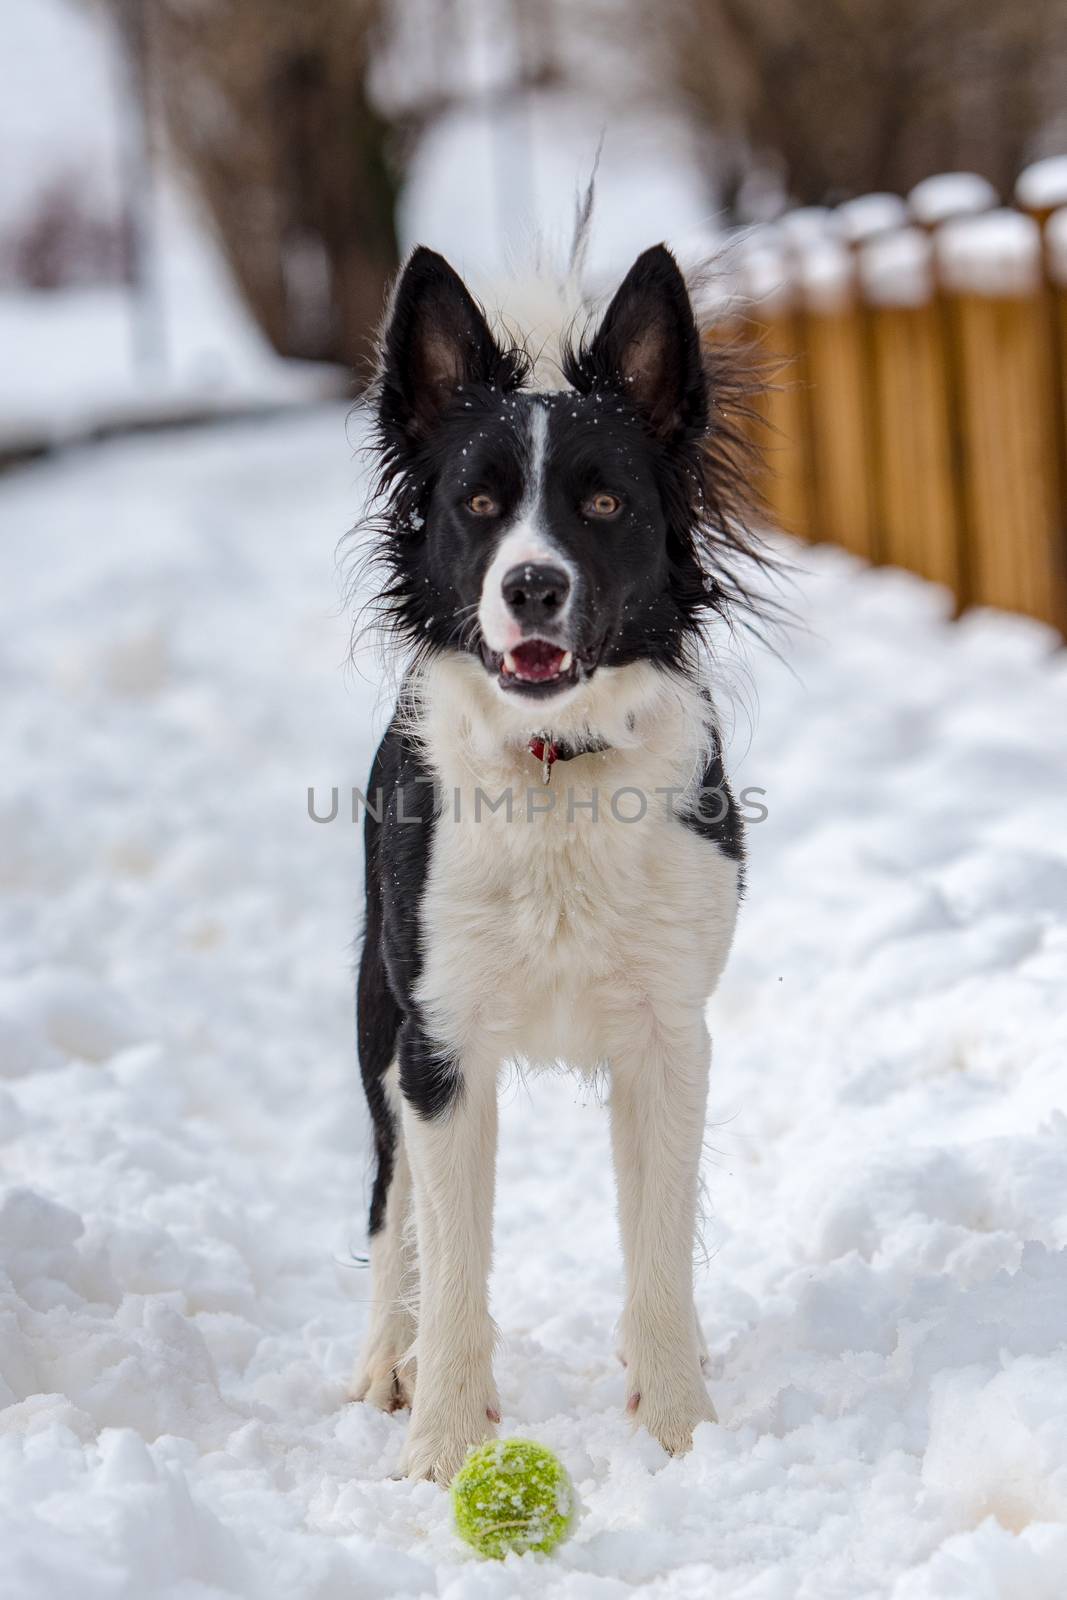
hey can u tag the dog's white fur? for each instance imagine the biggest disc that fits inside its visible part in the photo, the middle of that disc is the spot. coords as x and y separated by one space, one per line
559 935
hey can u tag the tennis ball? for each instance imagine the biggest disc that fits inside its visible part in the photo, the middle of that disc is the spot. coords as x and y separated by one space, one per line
512 1494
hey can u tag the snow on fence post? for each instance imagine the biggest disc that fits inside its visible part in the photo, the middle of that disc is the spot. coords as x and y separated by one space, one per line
783 430
950 194
1041 188
990 270
836 366
919 514
868 215
804 226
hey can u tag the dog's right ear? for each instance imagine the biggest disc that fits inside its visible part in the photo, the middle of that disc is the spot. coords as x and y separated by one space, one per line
648 348
436 339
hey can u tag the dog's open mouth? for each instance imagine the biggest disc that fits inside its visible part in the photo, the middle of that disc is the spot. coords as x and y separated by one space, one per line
536 661
534 667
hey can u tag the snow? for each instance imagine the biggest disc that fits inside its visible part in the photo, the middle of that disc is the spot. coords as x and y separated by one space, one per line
950 194
995 253
896 269
1043 184
184 1149
70 358
870 214
806 225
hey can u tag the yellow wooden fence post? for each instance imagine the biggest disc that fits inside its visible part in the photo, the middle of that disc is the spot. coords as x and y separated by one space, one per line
837 369
1056 260
783 439
1041 190
935 200
913 427
990 267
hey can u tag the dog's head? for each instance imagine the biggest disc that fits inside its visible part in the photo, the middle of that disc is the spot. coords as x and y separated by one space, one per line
552 534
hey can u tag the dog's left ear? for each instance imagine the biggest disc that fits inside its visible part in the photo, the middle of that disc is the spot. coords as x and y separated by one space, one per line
436 339
648 347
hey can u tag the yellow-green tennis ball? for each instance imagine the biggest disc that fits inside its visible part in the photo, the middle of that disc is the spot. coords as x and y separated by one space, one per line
512 1494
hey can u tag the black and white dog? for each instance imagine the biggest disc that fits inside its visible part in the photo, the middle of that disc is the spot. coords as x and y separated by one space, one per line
551 557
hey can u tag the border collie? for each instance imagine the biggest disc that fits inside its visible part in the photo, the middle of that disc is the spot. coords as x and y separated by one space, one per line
547 879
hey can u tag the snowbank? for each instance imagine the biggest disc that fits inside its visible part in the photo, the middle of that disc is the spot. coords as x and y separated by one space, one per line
184 1151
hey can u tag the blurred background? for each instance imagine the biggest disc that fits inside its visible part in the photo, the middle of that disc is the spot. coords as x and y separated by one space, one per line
203 202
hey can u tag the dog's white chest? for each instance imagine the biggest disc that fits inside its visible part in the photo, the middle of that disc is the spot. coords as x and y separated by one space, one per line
543 930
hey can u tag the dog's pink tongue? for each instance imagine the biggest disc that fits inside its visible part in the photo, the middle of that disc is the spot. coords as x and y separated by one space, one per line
537 660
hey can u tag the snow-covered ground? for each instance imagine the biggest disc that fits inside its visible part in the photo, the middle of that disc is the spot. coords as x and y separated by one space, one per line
68 357
183 1148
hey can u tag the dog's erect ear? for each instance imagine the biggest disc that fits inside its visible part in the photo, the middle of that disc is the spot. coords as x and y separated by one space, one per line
648 347
436 339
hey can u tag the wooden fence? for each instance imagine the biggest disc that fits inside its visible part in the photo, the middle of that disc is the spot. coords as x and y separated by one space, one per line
919 417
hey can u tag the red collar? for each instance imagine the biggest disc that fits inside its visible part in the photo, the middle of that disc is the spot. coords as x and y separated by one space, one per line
549 751
545 751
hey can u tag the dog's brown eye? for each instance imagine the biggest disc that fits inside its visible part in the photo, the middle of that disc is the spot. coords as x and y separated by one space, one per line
602 505
482 505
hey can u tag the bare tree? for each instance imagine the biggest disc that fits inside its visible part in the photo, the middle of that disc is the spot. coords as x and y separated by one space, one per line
268 103
297 118
847 96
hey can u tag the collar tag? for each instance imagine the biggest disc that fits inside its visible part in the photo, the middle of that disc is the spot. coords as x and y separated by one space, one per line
543 750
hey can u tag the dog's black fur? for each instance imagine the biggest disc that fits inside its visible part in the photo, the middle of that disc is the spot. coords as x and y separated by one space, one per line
654 411
449 405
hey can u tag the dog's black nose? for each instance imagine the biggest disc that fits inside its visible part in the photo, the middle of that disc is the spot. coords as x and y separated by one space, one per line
536 592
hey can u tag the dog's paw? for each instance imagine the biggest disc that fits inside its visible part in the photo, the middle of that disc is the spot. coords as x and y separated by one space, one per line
384 1377
669 1409
437 1445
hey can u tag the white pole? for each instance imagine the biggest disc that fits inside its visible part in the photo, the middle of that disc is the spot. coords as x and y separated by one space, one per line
146 311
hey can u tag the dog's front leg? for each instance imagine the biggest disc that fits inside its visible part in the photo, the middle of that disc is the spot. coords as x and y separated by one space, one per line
452 1151
658 1101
